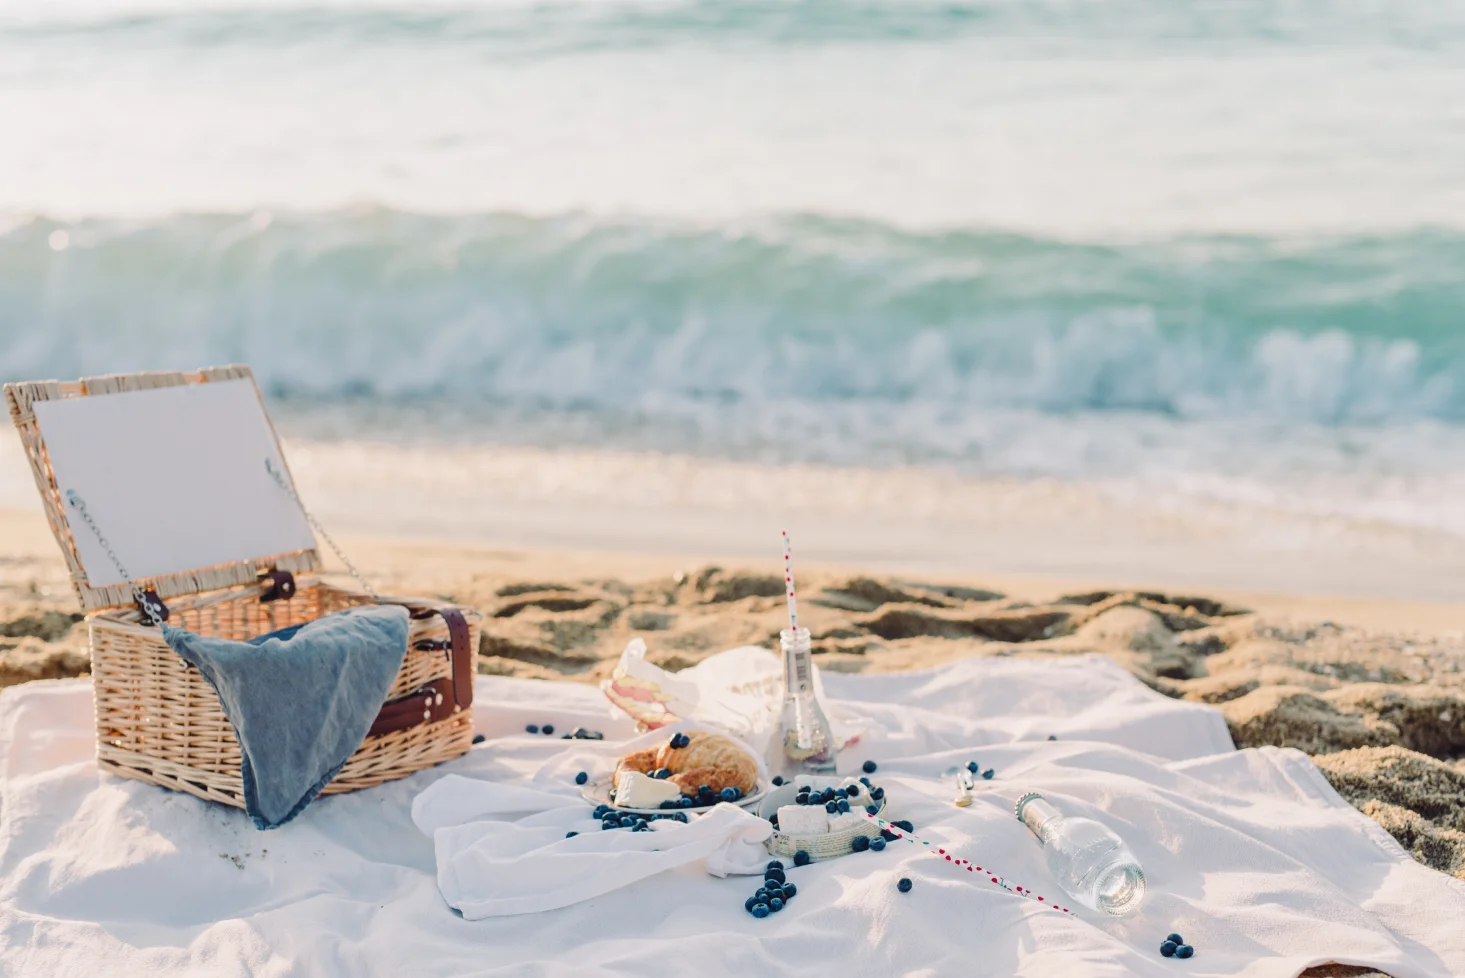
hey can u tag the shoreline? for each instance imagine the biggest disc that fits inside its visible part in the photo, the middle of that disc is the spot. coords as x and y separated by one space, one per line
1372 689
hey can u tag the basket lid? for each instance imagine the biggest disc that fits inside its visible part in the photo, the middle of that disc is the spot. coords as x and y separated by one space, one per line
165 475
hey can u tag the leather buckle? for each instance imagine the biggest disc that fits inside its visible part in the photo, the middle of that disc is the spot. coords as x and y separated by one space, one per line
279 586
154 612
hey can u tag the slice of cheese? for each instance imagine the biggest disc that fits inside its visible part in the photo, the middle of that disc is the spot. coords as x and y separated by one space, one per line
636 790
846 820
803 820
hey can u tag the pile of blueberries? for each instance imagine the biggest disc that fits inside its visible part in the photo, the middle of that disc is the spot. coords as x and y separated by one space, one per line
579 733
614 818
774 894
837 800
1174 946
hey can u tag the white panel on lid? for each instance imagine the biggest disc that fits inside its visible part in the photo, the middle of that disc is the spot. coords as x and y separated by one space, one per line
175 478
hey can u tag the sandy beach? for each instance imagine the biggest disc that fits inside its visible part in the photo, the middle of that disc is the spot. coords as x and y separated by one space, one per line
1374 690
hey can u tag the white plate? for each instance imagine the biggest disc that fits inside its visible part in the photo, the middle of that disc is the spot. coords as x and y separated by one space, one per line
598 793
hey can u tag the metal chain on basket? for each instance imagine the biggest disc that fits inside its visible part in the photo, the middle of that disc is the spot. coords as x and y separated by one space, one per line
143 604
279 478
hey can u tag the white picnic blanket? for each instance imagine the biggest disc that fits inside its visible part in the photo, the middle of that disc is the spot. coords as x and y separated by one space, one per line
1249 854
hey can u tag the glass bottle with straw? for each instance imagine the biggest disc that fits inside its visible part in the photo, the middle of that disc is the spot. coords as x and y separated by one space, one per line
804 742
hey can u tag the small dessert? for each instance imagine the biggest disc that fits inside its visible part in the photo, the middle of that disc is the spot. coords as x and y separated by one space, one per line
802 820
695 760
636 790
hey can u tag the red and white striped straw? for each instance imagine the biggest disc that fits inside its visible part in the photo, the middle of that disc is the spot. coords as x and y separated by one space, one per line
788 582
960 863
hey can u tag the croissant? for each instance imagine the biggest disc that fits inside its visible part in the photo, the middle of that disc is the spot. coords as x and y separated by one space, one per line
711 759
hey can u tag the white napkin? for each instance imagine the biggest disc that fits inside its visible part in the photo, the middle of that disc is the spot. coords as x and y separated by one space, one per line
488 866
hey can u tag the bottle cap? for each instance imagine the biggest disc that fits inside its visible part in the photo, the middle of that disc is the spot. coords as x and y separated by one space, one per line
1023 803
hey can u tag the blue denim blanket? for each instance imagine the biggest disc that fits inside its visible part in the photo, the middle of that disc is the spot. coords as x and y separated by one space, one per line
300 699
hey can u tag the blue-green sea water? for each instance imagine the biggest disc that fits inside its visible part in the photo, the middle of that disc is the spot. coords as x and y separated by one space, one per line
1220 243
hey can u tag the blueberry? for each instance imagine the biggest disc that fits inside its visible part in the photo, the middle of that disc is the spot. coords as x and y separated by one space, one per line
888 835
789 892
1167 949
600 810
775 904
728 794
773 820
778 781
905 824
840 793
974 767
868 767
566 737
571 835
704 789
865 782
666 805
737 793
831 807
748 903
641 824
479 738
776 864
871 809
686 802
842 805
904 885
627 821
877 845
661 773
987 774
1051 737
581 778
578 733
547 729
1184 951
827 794
853 791
860 843
801 858
760 910
877 793
682 817
775 875
761 895
532 728
1175 939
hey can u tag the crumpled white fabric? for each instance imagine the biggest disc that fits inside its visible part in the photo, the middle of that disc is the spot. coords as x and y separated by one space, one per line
1250 854
503 849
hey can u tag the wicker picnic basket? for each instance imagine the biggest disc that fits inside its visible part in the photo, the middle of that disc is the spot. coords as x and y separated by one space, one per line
158 719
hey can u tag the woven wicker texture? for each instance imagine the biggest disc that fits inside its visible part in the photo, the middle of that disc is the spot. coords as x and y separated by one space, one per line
158 719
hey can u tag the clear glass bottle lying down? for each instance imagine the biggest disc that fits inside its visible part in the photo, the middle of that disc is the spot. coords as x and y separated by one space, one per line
804 741
1090 862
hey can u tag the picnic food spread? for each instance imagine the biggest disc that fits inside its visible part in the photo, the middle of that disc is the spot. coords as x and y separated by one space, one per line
695 760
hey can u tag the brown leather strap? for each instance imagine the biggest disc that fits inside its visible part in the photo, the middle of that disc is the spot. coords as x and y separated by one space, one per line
462 656
429 704
440 698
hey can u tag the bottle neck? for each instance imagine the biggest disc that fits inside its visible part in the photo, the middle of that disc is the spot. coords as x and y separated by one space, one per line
798 665
1039 816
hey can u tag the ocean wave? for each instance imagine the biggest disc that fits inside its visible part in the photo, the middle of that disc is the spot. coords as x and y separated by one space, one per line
526 28
804 336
